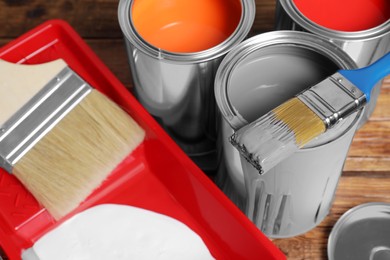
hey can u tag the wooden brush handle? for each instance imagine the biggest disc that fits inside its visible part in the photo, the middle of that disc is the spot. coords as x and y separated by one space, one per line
19 83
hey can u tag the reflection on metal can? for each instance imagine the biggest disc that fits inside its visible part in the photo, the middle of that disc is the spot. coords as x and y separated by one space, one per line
174 84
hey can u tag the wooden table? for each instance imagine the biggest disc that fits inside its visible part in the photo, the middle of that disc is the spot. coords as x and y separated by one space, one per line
366 176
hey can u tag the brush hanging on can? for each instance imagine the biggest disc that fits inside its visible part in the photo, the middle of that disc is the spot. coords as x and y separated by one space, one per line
60 137
290 126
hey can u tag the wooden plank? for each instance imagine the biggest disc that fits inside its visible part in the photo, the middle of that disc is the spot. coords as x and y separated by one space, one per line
310 246
373 140
382 109
91 18
367 164
386 82
361 189
112 52
373 131
20 16
265 16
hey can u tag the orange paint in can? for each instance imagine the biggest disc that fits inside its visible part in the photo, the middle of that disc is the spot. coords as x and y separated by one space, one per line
185 26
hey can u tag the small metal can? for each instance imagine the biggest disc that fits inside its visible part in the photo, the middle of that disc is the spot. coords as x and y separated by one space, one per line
177 87
362 233
364 46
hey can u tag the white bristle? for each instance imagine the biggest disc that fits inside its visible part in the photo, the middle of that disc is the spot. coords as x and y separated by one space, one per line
74 158
276 135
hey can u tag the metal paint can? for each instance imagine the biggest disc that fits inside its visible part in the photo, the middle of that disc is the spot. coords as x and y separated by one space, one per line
177 87
256 76
364 46
363 232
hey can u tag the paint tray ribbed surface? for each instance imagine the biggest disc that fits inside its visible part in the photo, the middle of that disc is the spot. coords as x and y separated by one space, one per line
157 176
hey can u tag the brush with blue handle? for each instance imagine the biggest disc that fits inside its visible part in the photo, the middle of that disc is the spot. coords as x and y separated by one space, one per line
290 126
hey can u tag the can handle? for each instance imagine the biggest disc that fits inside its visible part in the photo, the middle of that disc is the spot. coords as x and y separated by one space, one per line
366 78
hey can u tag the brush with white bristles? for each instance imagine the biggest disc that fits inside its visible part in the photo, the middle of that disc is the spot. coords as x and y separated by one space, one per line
60 137
290 126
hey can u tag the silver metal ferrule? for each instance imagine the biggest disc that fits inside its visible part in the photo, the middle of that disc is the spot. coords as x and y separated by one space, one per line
333 99
39 115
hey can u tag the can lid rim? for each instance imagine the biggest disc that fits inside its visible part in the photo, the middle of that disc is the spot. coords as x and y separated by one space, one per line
130 33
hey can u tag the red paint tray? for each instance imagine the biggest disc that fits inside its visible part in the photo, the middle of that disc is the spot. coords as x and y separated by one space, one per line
158 176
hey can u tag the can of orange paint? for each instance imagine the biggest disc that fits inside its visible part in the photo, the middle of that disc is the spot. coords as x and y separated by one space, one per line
174 49
360 27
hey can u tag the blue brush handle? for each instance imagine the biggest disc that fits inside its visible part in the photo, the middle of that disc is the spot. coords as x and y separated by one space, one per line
366 78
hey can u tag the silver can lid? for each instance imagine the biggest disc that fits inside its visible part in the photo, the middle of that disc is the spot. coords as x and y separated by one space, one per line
363 232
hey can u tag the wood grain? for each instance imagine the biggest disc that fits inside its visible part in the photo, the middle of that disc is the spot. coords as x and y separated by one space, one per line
366 176
91 18
265 16
382 109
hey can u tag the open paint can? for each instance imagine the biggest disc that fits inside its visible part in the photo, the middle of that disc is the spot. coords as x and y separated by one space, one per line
174 49
256 76
360 27
362 233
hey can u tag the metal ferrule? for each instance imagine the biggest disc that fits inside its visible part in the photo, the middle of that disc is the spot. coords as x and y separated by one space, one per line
39 115
333 99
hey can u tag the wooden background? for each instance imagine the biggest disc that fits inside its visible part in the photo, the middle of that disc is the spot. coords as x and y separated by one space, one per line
366 176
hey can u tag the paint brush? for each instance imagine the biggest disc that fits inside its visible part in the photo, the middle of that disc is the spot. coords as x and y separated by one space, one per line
290 126
60 137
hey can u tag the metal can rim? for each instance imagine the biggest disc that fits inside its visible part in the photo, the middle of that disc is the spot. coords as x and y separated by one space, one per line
343 219
292 38
248 11
307 24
